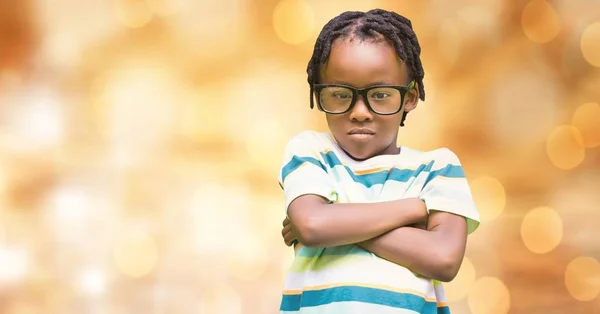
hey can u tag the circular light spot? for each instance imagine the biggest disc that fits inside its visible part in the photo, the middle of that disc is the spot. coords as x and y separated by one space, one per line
136 254
220 298
541 230
582 278
459 288
565 147
587 120
540 21
133 13
93 282
590 44
489 196
294 21
489 295
14 264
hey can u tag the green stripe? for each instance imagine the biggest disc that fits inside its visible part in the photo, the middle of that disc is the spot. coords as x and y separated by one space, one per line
303 264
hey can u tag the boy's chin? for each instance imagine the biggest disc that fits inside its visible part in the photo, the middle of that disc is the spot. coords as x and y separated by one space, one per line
359 155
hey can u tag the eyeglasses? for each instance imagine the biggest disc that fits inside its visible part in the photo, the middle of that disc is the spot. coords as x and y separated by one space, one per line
381 99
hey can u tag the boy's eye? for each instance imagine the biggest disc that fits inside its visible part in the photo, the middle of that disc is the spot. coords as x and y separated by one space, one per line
342 95
380 95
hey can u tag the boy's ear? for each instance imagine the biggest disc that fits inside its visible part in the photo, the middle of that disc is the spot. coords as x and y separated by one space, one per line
411 99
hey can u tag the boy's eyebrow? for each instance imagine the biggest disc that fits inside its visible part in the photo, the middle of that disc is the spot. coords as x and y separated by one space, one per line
371 84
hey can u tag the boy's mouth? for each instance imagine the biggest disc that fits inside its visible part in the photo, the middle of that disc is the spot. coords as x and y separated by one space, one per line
361 131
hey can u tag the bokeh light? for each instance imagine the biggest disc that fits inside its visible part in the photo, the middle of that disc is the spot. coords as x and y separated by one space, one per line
460 286
294 21
540 21
582 278
565 147
37 121
210 32
140 143
524 103
489 295
590 44
541 230
15 263
220 298
489 196
167 7
137 96
586 119
136 254
93 281
133 13
450 41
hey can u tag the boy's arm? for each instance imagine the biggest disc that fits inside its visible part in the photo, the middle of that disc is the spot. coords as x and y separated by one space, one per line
311 201
317 223
436 252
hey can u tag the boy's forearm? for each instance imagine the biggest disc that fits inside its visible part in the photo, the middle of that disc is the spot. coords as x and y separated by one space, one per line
340 224
432 253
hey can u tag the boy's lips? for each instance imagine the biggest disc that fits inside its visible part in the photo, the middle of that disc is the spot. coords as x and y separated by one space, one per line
361 134
361 131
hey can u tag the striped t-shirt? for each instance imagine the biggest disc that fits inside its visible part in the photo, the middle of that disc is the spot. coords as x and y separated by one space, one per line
347 279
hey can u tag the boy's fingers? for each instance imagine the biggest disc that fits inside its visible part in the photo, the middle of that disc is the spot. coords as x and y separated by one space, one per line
288 238
286 229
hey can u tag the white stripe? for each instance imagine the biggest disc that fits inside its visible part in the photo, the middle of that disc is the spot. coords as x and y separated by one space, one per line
350 308
375 271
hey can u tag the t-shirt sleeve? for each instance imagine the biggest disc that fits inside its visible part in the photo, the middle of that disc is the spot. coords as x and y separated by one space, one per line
303 170
447 189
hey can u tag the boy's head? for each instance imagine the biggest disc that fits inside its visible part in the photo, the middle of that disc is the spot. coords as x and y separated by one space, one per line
366 74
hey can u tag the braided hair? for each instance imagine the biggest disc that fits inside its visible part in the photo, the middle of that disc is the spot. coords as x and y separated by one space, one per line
370 25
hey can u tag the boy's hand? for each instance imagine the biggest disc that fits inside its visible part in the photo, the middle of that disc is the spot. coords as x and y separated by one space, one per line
418 210
288 232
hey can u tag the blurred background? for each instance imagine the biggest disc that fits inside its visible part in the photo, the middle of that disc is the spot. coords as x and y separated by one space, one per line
140 143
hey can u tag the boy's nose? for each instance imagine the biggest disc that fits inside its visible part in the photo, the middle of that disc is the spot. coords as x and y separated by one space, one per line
360 111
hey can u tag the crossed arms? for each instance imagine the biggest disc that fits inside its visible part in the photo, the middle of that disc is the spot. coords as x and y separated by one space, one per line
390 230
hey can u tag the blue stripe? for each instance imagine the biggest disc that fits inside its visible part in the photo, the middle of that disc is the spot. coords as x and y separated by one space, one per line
368 180
450 171
371 179
297 162
443 310
358 294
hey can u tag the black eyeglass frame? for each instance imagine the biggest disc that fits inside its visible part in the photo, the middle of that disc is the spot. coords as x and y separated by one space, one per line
317 88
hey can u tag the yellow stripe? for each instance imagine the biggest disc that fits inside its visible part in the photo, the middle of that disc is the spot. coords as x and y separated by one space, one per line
379 169
365 285
442 304
369 171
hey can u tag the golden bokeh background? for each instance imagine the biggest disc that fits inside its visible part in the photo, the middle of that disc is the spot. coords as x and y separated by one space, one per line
140 142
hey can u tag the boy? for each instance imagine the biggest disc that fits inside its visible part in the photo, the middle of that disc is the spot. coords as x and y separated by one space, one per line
376 226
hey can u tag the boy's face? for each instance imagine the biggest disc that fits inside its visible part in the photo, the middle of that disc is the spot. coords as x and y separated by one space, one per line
363 64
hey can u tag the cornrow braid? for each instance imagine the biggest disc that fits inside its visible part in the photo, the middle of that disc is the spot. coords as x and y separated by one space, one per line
369 25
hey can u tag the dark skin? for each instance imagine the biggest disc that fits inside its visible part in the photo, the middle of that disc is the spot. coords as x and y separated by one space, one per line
432 245
362 64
